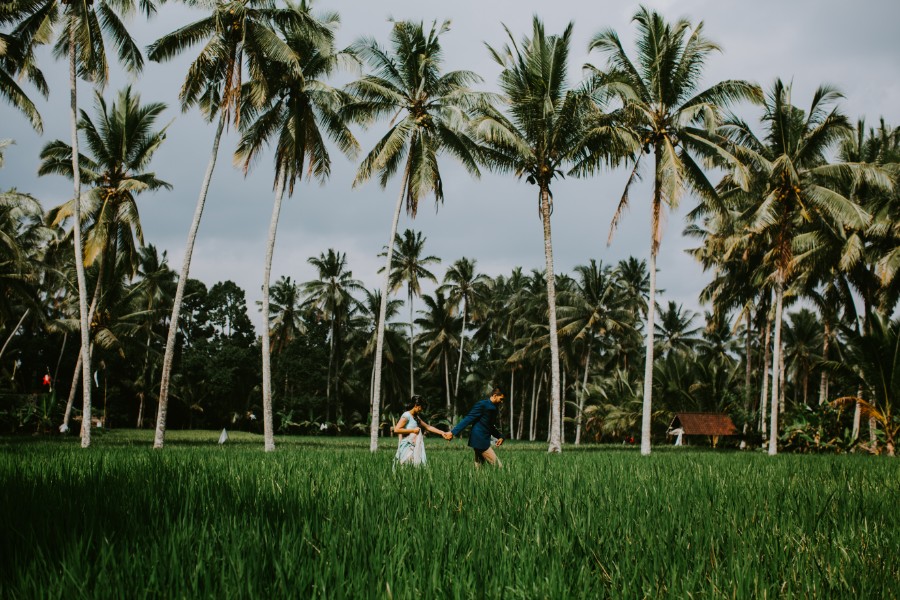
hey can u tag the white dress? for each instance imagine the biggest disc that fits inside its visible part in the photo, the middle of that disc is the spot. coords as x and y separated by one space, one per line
411 447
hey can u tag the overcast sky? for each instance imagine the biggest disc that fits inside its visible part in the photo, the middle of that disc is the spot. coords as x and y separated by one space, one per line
853 45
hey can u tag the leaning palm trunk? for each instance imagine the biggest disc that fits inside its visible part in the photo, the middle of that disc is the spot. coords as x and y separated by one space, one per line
179 291
75 376
382 313
13 332
79 253
776 366
857 414
554 443
268 432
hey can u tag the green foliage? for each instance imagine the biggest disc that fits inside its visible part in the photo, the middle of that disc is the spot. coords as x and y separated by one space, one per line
326 519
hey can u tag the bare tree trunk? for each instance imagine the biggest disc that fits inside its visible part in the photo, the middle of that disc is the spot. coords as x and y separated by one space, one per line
447 378
532 421
782 375
462 339
268 425
13 332
555 408
776 365
79 252
512 405
75 376
648 361
169 356
412 346
764 388
583 395
823 381
562 410
382 312
857 413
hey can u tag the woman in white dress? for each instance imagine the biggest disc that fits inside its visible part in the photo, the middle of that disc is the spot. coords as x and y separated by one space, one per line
411 428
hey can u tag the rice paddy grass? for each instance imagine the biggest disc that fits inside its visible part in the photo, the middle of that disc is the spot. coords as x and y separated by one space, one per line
324 518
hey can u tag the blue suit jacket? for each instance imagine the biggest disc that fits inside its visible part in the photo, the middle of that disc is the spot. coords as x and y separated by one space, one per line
483 418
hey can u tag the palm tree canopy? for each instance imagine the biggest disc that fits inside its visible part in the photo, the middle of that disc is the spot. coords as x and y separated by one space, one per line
409 266
121 141
428 110
302 109
668 113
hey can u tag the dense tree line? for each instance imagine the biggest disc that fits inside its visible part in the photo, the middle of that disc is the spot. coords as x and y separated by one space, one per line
807 210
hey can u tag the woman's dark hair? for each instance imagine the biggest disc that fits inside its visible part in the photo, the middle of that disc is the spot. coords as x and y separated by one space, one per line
415 401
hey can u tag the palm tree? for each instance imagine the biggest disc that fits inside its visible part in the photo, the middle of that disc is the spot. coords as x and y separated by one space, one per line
285 319
874 358
122 143
799 187
676 329
596 309
82 24
301 108
463 286
409 267
238 36
428 111
331 295
673 121
546 126
439 328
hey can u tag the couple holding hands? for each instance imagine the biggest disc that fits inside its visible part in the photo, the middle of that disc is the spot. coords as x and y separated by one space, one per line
483 419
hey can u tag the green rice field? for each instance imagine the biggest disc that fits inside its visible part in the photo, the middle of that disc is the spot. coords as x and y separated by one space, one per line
324 518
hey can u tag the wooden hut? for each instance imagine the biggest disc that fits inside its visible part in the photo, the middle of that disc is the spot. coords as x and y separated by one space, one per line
714 425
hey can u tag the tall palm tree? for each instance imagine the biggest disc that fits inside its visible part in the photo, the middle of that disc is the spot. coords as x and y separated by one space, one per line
799 187
463 286
410 267
544 126
302 108
82 25
597 308
285 319
428 112
238 36
122 143
674 121
439 327
331 295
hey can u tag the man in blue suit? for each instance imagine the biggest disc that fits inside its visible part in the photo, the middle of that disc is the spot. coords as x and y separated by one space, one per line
483 419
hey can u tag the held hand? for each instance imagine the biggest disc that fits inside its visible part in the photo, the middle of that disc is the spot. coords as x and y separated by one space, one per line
417 430
447 436
499 442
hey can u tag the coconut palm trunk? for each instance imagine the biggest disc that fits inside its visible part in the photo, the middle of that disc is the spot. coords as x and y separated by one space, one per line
462 340
79 252
382 313
583 395
169 356
512 404
776 365
554 443
412 346
823 380
268 427
764 388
